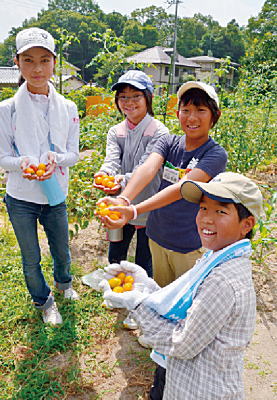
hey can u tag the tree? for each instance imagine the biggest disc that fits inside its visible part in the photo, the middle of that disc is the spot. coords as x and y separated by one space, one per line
190 32
132 32
84 7
82 26
206 20
224 42
259 72
265 22
160 19
116 22
150 36
111 59
62 44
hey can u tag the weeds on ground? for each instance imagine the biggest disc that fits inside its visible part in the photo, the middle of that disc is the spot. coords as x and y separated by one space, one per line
40 361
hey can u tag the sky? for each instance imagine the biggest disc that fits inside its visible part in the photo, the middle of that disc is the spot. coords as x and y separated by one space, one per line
14 12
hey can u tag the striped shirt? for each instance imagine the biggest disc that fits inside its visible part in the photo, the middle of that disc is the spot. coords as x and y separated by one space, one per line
205 351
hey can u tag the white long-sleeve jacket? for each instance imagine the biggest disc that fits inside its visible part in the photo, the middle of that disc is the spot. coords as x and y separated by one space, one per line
17 186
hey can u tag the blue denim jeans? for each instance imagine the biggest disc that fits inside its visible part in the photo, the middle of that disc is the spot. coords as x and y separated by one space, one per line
118 250
24 217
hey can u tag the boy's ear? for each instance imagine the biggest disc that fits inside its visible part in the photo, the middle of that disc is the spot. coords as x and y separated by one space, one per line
15 61
247 224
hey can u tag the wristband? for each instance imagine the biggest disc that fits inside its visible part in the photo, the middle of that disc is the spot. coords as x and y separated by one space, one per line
134 210
125 199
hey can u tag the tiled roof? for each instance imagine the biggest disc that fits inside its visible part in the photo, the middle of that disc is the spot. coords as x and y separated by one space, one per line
159 55
9 75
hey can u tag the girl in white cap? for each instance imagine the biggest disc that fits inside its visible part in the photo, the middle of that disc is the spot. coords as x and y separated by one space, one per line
128 146
39 141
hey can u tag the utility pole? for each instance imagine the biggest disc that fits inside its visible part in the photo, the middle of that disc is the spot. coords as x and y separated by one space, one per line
173 59
174 46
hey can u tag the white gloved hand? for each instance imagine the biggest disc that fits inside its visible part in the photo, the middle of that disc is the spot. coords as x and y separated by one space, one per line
129 300
112 270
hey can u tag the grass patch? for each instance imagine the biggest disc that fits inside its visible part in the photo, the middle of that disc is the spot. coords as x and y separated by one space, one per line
40 361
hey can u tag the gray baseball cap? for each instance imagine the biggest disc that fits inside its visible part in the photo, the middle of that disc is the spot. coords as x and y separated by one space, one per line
228 187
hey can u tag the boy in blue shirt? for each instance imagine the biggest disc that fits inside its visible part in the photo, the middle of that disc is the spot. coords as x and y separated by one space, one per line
175 245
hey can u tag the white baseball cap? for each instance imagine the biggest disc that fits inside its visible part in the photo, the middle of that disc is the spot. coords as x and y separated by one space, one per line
226 187
199 85
34 37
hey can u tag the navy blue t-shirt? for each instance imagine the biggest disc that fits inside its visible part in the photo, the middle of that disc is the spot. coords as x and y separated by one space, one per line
174 226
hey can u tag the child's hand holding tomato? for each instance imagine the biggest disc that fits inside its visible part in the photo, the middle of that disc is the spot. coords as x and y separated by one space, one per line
117 206
107 183
38 172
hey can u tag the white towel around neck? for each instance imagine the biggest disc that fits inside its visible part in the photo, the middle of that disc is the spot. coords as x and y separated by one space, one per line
28 122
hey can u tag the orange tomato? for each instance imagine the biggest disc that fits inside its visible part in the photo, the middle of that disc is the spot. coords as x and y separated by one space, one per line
104 211
105 181
121 276
118 289
113 216
113 282
29 171
40 172
110 184
129 279
42 166
98 180
102 205
127 287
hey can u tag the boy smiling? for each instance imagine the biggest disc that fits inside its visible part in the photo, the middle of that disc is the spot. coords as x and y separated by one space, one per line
205 329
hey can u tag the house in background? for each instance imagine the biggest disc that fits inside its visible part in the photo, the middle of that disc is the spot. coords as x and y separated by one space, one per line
208 65
70 78
9 77
157 62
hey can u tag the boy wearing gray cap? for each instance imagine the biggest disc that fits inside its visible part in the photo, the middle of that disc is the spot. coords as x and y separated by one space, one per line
200 324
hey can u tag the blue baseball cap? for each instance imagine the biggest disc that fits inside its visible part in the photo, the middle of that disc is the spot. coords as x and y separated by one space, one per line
136 78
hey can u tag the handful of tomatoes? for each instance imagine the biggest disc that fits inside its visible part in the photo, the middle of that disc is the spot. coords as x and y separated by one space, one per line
35 171
121 283
106 181
103 210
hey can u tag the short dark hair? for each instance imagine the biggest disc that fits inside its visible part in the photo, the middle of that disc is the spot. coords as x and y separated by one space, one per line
147 94
199 97
243 213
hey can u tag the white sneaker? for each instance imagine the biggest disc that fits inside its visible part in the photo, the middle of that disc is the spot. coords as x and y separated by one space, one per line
130 323
52 315
71 294
143 342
